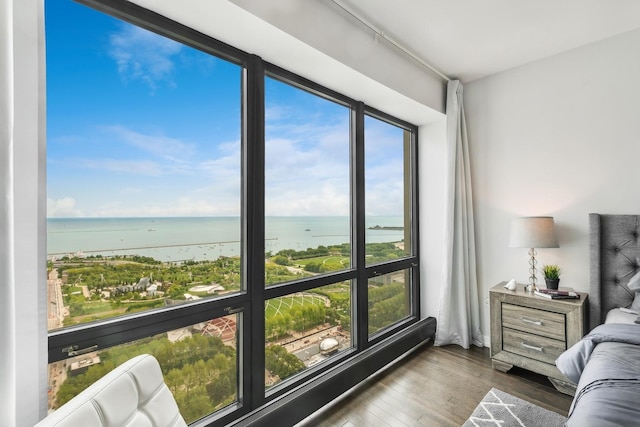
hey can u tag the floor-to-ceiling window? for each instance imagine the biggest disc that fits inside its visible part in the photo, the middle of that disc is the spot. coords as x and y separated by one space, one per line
307 228
144 169
249 228
388 205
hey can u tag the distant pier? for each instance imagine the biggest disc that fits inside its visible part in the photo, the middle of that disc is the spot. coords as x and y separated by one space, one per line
383 227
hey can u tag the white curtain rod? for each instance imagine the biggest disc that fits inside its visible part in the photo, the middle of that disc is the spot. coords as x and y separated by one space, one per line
389 40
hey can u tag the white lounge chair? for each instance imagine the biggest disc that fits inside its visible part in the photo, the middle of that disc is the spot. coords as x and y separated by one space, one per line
132 395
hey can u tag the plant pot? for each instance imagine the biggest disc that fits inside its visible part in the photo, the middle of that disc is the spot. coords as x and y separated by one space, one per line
552 283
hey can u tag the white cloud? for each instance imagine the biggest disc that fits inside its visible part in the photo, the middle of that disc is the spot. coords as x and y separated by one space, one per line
150 155
224 167
177 207
143 55
274 113
308 178
161 146
308 173
316 200
133 167
63 208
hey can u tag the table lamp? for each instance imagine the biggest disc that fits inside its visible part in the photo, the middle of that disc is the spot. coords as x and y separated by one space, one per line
532 232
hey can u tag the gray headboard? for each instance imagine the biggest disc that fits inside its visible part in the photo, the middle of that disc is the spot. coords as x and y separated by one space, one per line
614 247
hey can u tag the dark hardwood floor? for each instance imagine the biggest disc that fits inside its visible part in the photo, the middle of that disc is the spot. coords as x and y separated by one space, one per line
434 386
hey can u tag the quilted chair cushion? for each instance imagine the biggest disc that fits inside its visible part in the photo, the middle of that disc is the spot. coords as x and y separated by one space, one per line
132 395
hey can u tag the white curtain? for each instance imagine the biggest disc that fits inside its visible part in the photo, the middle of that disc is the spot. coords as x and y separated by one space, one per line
459 312
23 356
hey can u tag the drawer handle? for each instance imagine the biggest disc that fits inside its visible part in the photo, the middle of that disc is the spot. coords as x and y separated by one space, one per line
532 347
533 322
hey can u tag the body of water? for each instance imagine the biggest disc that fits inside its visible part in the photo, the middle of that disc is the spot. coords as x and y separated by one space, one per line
198 238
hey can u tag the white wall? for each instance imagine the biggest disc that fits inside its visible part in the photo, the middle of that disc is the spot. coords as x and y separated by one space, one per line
326 27
557 137
23 309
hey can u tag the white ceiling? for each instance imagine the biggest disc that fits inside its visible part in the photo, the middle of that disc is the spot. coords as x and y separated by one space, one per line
470 39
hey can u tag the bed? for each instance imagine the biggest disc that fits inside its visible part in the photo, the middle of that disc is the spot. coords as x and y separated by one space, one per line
606 362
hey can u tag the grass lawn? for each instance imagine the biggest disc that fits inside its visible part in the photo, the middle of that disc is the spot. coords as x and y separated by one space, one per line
335 259
94 307
282 305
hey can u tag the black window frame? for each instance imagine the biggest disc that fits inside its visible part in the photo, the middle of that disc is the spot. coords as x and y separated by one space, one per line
249 302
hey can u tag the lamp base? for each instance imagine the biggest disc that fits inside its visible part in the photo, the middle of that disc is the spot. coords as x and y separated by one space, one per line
531 288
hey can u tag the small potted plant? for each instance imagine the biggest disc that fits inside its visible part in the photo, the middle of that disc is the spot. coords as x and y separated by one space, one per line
551 275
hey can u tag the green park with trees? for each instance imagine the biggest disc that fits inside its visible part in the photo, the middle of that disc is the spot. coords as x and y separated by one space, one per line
200 370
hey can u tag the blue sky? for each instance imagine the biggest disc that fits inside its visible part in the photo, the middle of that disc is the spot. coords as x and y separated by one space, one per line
140 125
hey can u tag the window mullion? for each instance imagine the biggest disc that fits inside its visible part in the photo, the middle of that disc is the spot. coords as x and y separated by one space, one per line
253 214
360 322
413 197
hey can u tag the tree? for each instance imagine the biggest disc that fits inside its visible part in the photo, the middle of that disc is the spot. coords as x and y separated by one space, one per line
175 291
314 267
281 260
194 404
281 363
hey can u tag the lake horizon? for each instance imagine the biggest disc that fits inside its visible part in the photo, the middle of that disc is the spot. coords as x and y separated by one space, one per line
175 239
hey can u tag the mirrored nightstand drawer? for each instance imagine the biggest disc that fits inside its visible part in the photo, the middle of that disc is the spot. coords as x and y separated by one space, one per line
539 322
533 346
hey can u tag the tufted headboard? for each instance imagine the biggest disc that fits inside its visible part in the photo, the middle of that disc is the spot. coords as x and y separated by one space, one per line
614 247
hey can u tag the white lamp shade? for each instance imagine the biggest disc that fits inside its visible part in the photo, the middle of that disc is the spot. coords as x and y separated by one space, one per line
533 232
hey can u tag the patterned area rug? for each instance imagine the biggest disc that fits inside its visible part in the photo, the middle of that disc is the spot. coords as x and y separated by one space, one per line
501 409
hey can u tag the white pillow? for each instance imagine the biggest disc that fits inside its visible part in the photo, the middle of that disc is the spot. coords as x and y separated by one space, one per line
617 315
625 315
635 306
634 282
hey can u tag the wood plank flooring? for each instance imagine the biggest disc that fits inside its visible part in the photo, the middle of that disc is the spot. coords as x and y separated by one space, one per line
434 386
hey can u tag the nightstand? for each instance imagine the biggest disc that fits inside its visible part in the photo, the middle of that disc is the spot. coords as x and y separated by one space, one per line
530 331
